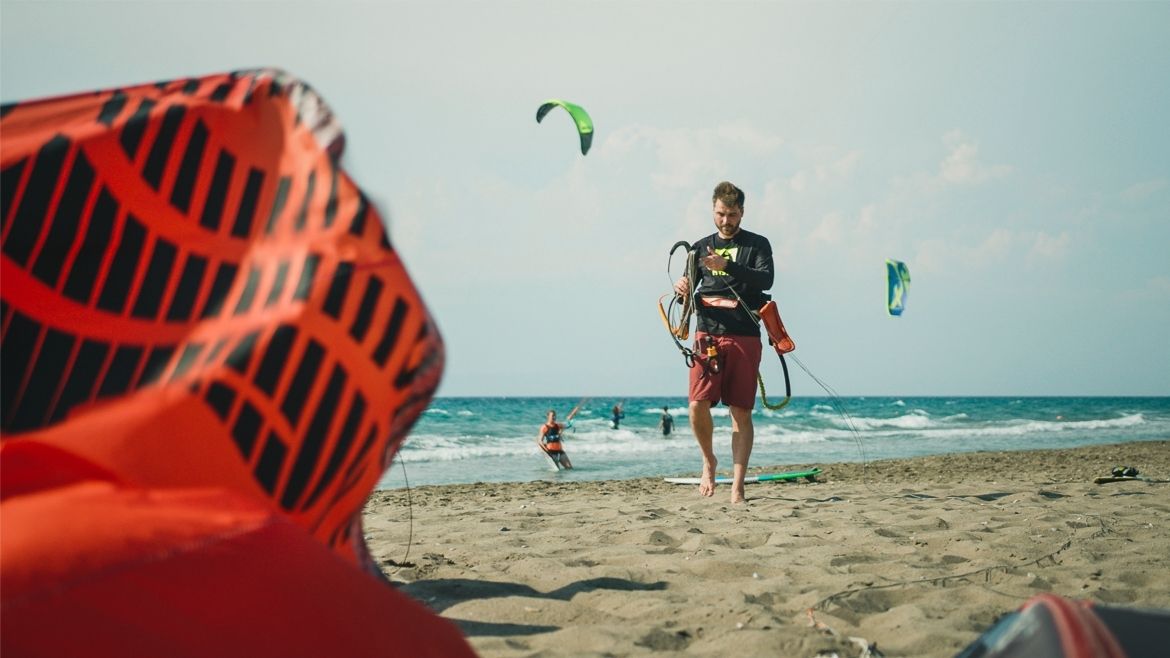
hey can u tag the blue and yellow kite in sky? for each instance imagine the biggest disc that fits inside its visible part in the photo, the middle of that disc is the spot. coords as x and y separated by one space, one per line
897 285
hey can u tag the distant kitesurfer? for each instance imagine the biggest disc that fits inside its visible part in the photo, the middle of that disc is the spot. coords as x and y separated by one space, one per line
735 268
549 440
618 414
666 422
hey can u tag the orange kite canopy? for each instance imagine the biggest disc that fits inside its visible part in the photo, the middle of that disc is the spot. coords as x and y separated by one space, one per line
210 354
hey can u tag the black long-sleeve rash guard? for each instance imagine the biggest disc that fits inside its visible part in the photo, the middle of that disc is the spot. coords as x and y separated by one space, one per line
750 271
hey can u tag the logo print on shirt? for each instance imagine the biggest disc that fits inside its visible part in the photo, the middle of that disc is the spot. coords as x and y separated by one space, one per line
728 253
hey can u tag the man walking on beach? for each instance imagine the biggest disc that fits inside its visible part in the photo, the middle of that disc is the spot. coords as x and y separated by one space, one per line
734 269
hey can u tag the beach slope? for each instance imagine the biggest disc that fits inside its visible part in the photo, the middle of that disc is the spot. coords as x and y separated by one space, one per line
918 555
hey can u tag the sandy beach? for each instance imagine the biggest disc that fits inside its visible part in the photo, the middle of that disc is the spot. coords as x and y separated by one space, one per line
918 556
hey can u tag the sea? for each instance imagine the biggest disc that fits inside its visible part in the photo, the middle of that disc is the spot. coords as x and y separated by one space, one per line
493 439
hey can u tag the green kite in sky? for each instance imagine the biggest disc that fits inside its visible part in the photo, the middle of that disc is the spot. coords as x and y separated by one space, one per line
580 117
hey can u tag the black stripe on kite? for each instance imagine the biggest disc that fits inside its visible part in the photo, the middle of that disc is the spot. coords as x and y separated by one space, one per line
221 179
279 202
84 272
9 184
305 284
121 371
277 285
306 374
267 470
66 220
225 275
189 167
34 205
190 355
303 213
338 290
160 152
275 358
16 350
220 398
121 272
365 311
190 282
358 225
246 212
154 282
83 377
241 356
391 333
331 204
156 364
221 92
112 108
247 429
135 128
42 384
249 293
353 420
314 439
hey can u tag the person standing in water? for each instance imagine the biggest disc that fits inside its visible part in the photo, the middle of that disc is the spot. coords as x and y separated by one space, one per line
550 437
618 414
735 268
666 422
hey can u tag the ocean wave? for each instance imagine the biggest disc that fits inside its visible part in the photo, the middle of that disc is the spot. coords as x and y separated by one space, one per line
915 419
1009 428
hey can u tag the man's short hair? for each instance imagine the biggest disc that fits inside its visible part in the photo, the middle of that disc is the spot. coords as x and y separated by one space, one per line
729 194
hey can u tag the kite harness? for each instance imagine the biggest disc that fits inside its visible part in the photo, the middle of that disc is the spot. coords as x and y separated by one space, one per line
676 315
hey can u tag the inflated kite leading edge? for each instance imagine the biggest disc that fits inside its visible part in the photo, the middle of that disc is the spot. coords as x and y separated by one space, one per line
211 352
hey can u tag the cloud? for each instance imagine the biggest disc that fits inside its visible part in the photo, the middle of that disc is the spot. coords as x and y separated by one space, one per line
839 169
823 172
1000 245
1047 247
798 182
749 138
962 165
1139 192
685 158
1153 292
829 230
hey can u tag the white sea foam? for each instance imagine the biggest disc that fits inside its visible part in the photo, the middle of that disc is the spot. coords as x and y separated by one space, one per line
914 419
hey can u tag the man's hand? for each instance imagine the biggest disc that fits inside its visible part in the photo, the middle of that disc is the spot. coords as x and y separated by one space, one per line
714 261
682 287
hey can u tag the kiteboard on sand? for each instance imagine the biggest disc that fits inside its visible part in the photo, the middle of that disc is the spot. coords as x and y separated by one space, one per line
1126 474
1127 478
810 475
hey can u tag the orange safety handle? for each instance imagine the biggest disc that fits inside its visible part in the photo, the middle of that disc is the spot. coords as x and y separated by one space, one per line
778 336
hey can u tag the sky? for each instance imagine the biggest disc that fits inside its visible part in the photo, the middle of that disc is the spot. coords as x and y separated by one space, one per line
1016 155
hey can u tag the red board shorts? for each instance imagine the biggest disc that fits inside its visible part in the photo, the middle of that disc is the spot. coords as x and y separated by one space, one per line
739 364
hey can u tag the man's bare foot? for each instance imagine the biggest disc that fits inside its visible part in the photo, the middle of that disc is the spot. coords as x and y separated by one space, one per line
737 494
707 481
